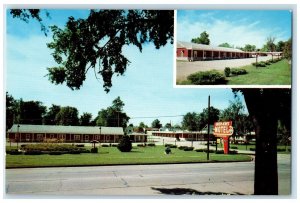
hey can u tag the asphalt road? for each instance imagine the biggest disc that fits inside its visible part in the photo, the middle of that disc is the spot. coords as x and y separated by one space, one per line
141 180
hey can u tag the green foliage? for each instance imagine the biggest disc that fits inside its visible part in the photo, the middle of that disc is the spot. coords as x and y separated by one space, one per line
33 152
78 46
190 121
94 150
151 145
202 39
188 149
29 112
156 124
238 71
287 50
125 144
67 116
212 77
49 118
227 71
14 152
168 150
85 119
249 47
182 147
226 45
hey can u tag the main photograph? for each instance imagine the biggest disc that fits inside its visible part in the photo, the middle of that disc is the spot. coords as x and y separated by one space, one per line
91 110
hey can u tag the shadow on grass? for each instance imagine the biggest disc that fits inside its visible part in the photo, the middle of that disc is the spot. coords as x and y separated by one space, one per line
189 191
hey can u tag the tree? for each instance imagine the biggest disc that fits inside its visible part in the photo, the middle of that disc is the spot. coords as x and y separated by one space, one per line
266 107
203 116
202 39
49 118
156 124
85 119
226 45
113 116
235 113
125 144
287 50
30 112
11 110
97 42
26 14
168 125
280 46
270 44
249 47
67 116
190 121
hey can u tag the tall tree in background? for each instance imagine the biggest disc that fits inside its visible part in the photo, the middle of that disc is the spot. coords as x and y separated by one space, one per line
156 124
266 107
249 47
49 118
67 116
287 50
113 116
30 112
280 46
11 110
190 121
226 45
214 116
85 119
271 44
202 39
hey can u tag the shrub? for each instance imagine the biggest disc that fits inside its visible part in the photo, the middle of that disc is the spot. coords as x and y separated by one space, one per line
238 71
233 152
261 64
114 145
199 150
33 152
227 71
79 145
207 78
14 152
104 145
234 147
188 149
151 145
168 150
219 152
94 150
76 152
23 145
280 150
125 144
182 147
252 149
55 153
140 145
210 151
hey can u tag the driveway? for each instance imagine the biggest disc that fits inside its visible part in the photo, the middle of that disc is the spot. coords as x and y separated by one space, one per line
185 68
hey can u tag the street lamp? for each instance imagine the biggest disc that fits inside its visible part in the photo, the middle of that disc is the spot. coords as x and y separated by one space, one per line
18 137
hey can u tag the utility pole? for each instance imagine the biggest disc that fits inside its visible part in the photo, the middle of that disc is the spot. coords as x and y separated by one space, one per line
208 119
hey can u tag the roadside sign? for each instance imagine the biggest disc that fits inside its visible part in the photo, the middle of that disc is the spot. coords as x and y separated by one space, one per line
223 129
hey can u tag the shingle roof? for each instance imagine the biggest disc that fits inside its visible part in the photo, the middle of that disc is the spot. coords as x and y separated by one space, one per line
66 129
194 46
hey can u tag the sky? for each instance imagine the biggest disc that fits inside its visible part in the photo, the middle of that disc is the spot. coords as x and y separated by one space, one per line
236 27
146 87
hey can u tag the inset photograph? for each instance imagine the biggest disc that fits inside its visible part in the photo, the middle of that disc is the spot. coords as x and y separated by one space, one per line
234 47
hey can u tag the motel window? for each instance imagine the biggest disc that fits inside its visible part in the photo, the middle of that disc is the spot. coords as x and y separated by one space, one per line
39 137
76 137
86 137
27 137
96 137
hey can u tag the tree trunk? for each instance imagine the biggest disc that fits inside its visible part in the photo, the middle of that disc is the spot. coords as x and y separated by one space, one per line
263 106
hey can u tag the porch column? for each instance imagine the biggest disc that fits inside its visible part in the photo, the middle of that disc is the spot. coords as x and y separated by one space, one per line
212 54
219 55
230 54
202 54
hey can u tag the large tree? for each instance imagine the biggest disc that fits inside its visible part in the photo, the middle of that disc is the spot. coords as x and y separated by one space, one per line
49 118
249 47
202 39
30 112
190 121
214 114
85 119
67 116
113 116
266 107
156 124
11 110
97 42
225 44
287 50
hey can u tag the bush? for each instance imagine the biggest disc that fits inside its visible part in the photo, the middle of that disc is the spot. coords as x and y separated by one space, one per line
182 147
210 151
140 145
14 152
76 152
79 145
280 150
233 152
219 152
238 71
125 144
23 145
114 145
151 145
94 150
168 150
55 153
207 78
188 149
33 152
252 149
104 145
199 150
234 147
261 64
227 71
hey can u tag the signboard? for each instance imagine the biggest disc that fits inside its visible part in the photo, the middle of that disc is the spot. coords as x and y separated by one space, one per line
222 129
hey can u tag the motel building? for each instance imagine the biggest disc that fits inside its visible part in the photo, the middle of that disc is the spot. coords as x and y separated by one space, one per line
188 51
200 52
78 134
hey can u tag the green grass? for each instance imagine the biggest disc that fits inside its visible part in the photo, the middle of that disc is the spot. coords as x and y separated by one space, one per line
275 74
112 156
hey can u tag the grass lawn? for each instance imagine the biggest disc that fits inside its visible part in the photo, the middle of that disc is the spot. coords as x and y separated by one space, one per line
275 74
112 156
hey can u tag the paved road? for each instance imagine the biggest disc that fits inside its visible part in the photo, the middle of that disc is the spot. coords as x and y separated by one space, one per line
146 180
184 69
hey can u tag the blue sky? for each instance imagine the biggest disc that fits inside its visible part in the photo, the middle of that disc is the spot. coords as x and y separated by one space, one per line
236 27
146 88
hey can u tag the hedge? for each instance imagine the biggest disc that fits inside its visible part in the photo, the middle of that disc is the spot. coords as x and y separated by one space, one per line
207 78
238 71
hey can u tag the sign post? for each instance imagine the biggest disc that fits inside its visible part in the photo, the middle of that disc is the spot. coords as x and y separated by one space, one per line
224 130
